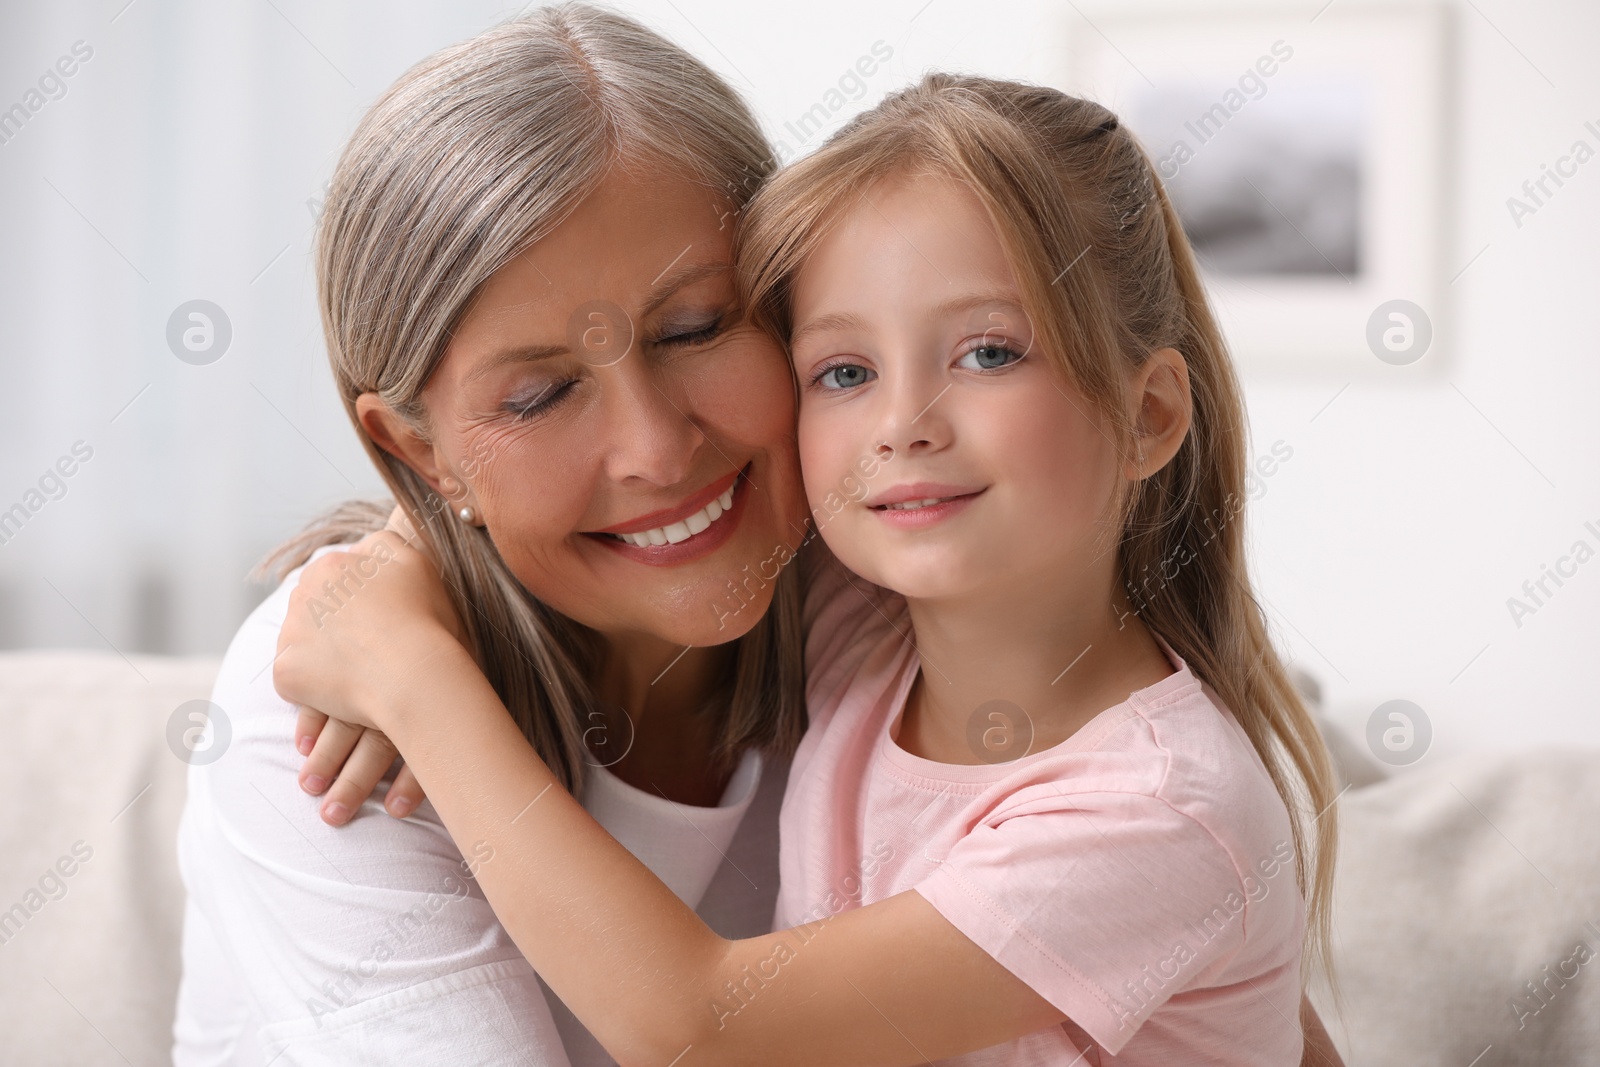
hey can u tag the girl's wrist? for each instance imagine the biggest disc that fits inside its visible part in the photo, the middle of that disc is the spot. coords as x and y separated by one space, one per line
437 676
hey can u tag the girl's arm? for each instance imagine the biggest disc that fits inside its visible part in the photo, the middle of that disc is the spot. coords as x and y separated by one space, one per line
893 983
890 983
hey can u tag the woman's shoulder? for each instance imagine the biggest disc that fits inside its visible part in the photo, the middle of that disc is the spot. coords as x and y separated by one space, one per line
249 718
255 644
245 808
276 887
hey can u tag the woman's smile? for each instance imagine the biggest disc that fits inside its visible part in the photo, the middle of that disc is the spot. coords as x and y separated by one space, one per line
694 529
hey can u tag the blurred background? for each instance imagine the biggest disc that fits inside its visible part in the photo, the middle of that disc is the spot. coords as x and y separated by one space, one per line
156 153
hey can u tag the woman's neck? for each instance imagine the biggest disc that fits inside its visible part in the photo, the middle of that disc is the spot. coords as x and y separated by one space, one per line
1004 675
667 740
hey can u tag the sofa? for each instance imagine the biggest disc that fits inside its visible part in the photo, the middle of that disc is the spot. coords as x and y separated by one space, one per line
1466 906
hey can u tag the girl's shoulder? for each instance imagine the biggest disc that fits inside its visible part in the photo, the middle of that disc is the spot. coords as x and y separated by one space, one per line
1175 753
1213 771
857 643
844 616
1151 815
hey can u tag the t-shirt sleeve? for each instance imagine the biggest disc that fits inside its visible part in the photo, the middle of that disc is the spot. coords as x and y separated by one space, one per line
1105 904
370 943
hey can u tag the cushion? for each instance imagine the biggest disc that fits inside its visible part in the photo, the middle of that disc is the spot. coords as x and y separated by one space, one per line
1467 914
1465 891
91 905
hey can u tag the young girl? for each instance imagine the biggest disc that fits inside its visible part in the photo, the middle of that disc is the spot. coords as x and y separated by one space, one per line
1055 801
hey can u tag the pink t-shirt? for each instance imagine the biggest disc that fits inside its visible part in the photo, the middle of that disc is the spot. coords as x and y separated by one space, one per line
1139 876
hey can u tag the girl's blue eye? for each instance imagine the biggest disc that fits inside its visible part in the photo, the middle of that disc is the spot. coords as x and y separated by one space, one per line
989 357
842 376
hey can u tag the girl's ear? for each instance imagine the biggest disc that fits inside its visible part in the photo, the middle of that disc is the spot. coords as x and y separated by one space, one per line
1161 410
395 436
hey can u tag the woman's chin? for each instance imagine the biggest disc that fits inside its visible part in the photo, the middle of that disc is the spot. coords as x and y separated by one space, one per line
726 614
703 599
712 606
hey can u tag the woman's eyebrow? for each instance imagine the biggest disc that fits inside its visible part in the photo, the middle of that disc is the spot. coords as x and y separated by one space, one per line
676 277
666 283
516 354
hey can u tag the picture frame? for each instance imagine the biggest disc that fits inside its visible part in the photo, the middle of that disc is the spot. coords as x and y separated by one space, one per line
1305 153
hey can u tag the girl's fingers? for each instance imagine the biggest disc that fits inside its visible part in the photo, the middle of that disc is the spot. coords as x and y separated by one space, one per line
333 746
307 726
405 794
374 754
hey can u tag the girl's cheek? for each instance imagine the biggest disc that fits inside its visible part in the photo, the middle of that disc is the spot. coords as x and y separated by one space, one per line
833 485
813 455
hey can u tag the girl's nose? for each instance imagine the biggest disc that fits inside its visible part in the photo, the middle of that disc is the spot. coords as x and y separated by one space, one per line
912 419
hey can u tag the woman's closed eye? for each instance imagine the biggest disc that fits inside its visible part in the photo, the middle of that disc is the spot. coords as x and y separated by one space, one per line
542 401
523 408
690 335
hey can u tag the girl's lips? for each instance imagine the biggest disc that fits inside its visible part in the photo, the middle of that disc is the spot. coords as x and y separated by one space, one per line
919 518
697 546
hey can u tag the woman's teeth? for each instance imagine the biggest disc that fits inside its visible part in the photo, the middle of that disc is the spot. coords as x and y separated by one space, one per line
908 505
685 529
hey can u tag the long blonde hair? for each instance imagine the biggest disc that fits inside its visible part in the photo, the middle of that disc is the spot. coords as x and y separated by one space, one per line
470 157
1107 276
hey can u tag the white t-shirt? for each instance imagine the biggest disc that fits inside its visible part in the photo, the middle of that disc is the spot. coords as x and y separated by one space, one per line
306 944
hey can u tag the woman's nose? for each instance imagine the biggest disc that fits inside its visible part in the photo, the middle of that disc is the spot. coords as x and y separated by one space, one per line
653 434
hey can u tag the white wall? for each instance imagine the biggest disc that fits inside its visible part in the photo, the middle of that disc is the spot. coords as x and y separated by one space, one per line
181 158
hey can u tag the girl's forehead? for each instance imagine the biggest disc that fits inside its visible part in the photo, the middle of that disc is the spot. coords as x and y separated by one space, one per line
925 235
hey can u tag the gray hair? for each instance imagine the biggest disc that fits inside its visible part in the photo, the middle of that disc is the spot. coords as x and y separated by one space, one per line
472 155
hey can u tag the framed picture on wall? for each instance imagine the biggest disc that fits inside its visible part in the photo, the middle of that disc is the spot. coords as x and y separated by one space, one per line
1305 155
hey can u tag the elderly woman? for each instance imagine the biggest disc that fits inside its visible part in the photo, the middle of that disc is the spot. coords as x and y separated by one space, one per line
525 270
567 181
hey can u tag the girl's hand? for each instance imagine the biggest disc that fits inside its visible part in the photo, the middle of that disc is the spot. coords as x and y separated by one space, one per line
354 759
360 623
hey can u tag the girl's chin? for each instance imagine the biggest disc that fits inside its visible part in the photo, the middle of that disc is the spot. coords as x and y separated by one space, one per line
932 581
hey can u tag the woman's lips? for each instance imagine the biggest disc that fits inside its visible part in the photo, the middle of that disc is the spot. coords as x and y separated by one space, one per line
668 516
696 545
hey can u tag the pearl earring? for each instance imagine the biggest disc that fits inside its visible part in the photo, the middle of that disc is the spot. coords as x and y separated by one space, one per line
466 515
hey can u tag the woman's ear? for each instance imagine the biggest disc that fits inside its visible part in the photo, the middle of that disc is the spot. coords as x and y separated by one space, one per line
395 436
1162 410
